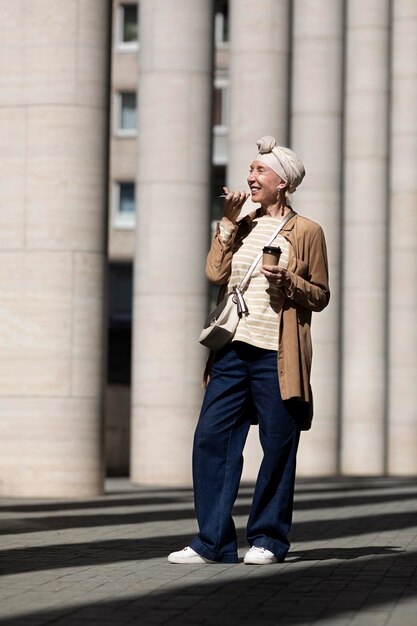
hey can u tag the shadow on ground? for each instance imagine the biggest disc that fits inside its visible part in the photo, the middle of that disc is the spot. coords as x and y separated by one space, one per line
284 594
22 525
314 584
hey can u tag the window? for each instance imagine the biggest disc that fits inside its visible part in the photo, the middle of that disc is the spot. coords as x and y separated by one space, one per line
221 104
126 113
128 26
221 23
120 323
221 116
125 205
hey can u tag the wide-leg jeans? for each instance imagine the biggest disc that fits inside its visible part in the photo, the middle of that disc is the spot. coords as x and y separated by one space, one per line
241 374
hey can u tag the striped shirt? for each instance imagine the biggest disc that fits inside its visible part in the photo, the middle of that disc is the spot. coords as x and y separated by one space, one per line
261 326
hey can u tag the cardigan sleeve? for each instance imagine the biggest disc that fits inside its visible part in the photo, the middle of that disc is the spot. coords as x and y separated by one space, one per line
312 292
219 258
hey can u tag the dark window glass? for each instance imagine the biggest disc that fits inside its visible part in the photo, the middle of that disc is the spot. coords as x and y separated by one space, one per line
127 110
217 106
127 198
119 352
221 12
130 23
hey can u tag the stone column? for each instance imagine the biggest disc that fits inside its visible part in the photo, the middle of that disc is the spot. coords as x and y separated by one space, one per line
316 137
53 146
259 96
259 41
170 293
402 423
364 228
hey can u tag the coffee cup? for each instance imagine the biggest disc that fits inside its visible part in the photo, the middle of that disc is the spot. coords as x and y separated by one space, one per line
271 255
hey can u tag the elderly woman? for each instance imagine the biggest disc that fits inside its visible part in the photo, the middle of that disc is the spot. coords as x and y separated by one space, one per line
264 371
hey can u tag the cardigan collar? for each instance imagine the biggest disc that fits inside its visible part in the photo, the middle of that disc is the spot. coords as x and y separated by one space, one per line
249 217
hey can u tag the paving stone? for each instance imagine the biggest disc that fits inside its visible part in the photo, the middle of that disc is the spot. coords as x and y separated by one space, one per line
103 562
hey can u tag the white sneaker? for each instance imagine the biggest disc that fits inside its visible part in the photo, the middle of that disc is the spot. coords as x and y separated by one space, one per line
187 555
259 556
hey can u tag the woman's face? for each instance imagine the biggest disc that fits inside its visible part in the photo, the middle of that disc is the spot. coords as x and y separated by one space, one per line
264 183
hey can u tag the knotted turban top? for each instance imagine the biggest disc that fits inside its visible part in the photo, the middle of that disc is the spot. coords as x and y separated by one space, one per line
282 160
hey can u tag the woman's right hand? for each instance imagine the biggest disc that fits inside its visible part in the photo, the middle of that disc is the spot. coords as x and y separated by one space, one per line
233 202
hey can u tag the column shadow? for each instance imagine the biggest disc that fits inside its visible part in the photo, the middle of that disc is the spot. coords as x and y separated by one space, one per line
278 594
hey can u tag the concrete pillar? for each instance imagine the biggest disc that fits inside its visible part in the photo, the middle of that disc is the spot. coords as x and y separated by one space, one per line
364 262
170 292
316 137
259 59
53 148
402 422
259 48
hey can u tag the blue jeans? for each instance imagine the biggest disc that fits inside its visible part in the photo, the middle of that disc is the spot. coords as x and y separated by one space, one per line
241 374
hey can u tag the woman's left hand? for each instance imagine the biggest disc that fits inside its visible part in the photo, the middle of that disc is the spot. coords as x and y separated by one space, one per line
276 275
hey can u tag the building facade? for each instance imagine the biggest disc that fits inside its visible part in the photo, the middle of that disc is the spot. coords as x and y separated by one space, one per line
192 84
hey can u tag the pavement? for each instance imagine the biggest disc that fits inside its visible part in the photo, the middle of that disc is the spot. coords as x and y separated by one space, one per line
102 561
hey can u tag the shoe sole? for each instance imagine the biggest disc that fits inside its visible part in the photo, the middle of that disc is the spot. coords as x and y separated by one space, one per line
260 561
191 560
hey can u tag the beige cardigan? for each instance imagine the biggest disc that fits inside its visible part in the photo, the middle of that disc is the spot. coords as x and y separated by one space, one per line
309 291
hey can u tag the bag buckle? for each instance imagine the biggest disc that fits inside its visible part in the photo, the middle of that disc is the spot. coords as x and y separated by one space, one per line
239 300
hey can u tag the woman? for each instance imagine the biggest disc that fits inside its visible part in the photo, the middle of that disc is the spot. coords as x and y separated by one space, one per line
265 369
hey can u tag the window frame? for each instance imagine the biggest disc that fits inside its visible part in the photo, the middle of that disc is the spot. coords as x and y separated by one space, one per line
123 221
219 28
221 131
223 83
121 45
118 111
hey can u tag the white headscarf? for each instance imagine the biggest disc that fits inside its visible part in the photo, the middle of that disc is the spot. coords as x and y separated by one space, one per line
282 160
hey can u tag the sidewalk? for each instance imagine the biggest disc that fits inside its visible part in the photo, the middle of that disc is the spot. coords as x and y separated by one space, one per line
103 561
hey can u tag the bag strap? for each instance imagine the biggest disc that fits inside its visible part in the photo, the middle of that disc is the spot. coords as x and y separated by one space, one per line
248 274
